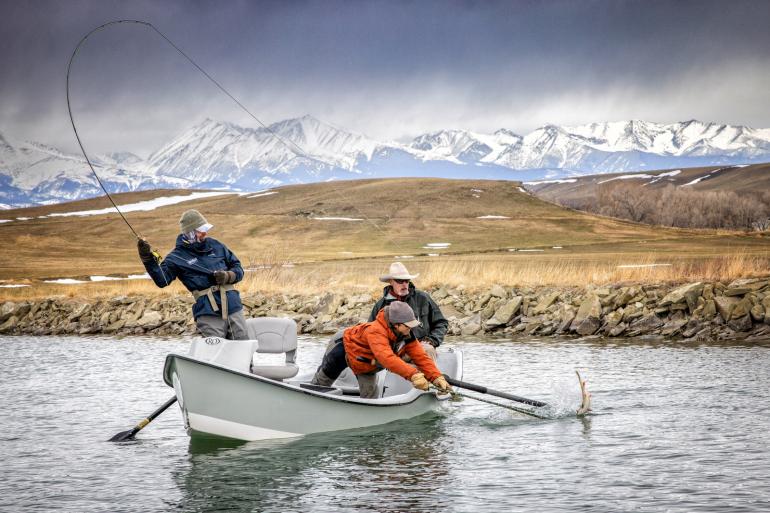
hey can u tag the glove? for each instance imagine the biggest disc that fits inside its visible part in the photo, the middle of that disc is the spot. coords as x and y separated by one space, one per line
145 251
224 277
442 385
419 381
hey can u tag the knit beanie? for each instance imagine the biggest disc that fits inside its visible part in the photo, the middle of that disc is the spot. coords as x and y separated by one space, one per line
193 220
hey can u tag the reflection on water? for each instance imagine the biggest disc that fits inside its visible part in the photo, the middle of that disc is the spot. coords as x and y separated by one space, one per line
331 471
676 427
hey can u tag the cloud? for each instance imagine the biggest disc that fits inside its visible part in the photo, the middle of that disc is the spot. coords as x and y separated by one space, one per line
389 70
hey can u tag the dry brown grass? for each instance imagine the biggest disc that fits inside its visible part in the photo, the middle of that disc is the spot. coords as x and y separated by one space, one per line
476 272
290 252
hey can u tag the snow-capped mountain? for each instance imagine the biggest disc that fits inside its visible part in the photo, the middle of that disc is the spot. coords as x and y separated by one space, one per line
610 147
217 154
33 173
291 151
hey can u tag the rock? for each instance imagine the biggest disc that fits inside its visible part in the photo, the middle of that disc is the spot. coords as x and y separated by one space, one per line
6 310
439 294
79 312
498 291
741 323
545 302
612 319
505 313
673 327
646 324
591 307
725 306
624 296
587 326
9 324
741 309
471 326
150 320
565 316
115 326
633 311
618 330
702 335
758 313
361 299
745 285
686 293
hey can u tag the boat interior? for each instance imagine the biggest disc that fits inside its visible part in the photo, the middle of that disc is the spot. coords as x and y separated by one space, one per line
275 335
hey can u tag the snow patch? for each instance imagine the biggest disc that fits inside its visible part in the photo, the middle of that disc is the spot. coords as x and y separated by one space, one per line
438 245
65 281
531 250
143 206
626 177
336 219
492 217
144 276
539 182
13 286
637 266
260 194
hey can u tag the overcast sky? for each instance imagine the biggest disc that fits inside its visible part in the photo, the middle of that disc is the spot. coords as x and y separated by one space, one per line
388 69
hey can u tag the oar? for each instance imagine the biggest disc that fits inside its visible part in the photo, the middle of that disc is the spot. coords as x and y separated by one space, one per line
484 390
506 406
128 435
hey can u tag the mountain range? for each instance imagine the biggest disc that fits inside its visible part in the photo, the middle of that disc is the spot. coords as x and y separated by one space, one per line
216 154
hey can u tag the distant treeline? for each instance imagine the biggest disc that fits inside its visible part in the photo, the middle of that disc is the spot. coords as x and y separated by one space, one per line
680 207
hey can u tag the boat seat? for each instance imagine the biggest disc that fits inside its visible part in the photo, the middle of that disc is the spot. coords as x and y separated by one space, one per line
274 335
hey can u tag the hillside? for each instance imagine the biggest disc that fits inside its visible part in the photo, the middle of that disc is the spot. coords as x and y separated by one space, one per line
213 154
580 190
379 219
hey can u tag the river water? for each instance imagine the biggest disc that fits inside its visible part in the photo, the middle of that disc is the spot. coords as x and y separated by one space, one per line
675 428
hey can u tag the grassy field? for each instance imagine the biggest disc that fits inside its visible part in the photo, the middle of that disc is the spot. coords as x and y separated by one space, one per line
291 251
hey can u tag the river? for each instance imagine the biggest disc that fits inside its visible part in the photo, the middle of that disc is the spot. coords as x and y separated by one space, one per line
675 428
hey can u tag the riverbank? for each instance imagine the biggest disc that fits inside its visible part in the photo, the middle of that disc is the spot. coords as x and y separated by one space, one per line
693 311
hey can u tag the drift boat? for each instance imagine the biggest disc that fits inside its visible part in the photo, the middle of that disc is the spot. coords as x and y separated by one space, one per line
224 390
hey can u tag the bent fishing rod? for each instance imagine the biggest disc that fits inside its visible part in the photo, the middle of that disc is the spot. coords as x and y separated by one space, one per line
290 145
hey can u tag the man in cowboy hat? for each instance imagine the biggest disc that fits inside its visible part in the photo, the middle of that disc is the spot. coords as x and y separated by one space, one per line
208 269
383 343
433 326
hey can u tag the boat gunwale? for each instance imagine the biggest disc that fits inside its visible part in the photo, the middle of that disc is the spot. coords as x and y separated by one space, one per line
290 387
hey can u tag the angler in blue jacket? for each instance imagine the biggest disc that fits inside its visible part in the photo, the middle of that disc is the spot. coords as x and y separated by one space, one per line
208 269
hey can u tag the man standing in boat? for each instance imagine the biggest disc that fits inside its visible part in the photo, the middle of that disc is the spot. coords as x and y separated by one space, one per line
208 269
433 326
371 346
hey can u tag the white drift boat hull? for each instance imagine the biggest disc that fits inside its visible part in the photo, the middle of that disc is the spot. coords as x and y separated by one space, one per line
223 399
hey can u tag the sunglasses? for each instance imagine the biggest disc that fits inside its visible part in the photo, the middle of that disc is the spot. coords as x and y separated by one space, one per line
401 282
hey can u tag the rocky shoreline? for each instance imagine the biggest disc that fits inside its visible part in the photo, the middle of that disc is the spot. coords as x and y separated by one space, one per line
694 311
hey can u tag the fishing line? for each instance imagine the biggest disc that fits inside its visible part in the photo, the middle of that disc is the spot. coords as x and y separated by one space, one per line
290 145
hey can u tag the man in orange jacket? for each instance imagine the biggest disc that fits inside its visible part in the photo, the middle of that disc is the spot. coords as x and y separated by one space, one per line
368 347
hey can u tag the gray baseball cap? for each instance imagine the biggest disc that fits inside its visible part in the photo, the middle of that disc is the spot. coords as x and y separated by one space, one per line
401 313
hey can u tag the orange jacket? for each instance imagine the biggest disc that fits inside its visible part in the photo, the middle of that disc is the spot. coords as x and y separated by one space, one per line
375 341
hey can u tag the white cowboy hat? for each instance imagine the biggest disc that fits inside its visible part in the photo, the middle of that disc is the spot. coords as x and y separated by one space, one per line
398 271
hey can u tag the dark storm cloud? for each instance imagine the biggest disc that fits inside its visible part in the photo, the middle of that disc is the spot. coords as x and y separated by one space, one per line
387 69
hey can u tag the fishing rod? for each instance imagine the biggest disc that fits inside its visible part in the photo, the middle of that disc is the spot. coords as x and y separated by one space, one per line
290 145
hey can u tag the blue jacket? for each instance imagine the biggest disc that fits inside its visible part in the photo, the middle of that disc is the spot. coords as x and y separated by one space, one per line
194 264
